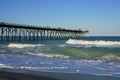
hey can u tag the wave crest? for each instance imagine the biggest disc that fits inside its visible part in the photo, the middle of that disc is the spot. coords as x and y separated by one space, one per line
96 43
49 55
17 45
110 57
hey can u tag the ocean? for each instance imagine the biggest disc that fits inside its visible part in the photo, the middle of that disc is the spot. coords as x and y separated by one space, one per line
94 55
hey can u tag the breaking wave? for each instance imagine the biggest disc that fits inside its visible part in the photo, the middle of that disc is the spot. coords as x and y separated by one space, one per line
110 57
49 55
17 45
96 43
5 66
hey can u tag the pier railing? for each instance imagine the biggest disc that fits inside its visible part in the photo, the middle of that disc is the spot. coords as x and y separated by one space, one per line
17 32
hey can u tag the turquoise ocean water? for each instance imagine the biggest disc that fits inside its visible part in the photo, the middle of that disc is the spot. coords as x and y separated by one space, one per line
91 55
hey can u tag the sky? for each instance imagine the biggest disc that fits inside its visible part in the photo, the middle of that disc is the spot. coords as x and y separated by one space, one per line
100 17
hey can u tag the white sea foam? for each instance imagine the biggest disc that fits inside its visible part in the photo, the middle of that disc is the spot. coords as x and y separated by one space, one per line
96 43
5 66
49 55
17 45
110 57
40 68
62 45
103 74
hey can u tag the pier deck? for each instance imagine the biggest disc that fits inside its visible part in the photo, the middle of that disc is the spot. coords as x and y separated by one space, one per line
17 32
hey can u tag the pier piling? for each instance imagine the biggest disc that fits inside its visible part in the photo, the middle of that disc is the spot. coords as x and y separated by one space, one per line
16 32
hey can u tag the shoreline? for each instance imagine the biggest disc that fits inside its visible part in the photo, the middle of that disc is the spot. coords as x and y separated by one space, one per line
22 74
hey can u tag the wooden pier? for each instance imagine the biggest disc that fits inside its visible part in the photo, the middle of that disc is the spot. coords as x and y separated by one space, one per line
16 32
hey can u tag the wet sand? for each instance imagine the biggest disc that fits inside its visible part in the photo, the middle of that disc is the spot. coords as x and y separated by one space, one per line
52 76
20 76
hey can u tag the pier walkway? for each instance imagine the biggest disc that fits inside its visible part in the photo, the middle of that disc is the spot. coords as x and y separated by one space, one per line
16 32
